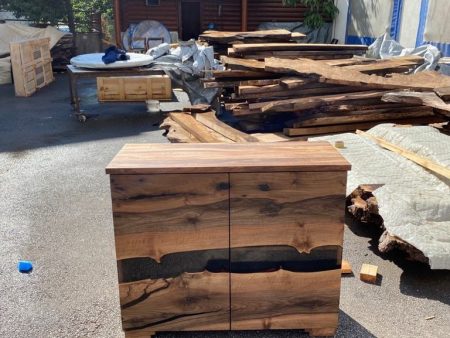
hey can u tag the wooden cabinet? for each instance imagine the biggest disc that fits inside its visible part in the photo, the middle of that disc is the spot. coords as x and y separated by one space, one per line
228 236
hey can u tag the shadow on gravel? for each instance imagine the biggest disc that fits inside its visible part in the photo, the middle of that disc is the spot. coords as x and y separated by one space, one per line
46 118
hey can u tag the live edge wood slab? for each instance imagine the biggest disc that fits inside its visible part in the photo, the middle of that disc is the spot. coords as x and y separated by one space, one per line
228 236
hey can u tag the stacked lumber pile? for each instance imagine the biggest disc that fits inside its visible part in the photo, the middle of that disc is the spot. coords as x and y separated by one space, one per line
62 52
222 41
313 97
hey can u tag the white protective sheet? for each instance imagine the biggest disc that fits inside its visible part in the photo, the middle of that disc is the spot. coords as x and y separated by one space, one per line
5 71
10 32
94 61
414 203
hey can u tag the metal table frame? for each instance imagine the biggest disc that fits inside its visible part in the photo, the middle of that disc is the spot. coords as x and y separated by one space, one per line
75 73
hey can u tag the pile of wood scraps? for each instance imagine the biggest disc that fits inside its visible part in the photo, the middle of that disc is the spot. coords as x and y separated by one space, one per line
306 97
199 124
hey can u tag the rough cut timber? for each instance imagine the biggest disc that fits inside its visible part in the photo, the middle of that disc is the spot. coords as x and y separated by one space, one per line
227 37
328 74
256 47
429 99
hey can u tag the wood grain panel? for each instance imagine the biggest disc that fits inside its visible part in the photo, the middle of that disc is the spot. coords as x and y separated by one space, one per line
264 300
158 214
304 210
190 302
243 157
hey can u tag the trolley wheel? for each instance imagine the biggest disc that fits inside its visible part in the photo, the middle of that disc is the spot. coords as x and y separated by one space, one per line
82 118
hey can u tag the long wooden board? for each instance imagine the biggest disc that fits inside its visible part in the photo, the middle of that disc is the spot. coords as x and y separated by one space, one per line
255 47
299 104
210 120
426 99
363 116
423 80
354 126
423 161
198 130
226 37
193 209
263 202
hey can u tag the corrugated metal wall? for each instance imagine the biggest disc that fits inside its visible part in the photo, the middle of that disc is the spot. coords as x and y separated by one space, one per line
227 18
135 11
260 11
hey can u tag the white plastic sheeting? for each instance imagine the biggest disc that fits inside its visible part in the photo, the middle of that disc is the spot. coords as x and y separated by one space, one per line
385 47
94 60
5 71
414 203
10 32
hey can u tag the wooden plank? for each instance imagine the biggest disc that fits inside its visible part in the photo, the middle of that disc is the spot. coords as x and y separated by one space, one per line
239 157
328 74
226 37
242 64
283 299
395 64
193 209
354 126
295 46
276 137
313 56
423 161
175 133
426 99
189 302
261 202
299 104
241 74
443 92
362 116
188 123
303 92
368 273
210 120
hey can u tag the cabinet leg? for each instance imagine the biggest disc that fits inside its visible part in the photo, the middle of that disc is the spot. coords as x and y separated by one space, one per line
322 332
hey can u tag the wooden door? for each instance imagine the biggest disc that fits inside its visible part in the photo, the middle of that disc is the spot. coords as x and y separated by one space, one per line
286 244
190 20
172 247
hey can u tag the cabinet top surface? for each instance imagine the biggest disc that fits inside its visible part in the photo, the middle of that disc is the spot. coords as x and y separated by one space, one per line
167 158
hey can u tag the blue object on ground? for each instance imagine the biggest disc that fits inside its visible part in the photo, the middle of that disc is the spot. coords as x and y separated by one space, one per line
25 266
113 54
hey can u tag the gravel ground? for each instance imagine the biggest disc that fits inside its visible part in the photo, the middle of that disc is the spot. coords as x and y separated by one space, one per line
55 210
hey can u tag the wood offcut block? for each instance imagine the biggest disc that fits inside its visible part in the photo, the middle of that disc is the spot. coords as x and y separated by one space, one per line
346 268
368 273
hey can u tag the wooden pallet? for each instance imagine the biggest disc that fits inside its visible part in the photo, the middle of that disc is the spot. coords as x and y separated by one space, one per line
32 65
134 88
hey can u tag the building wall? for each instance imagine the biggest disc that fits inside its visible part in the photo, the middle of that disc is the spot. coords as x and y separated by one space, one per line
226 14
260 11
409 23
135 11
